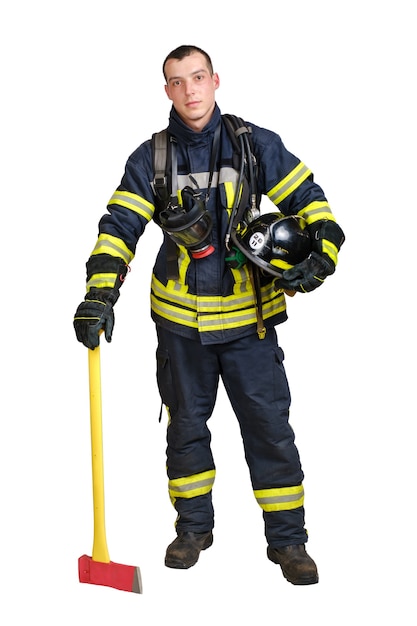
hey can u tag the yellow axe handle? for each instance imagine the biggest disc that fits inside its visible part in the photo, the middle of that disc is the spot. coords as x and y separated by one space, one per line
100 550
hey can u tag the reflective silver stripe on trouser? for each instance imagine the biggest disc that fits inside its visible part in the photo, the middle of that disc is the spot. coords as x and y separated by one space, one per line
191 486
281 499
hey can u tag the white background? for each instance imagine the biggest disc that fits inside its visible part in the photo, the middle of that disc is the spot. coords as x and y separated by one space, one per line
82 87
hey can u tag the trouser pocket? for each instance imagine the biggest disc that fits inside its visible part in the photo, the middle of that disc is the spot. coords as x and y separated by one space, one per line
164 378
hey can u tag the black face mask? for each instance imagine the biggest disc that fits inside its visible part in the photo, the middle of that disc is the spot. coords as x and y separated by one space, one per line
189 225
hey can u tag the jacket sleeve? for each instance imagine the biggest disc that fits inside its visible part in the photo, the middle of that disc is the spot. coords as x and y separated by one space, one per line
129 210
287 181
290 185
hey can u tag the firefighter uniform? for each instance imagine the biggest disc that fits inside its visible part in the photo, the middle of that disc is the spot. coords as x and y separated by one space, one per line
206 320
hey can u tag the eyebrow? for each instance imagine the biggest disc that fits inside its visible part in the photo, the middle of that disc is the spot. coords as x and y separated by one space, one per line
192 74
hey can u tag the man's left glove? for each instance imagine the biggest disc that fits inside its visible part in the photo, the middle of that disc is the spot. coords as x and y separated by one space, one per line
94 314
327 238
307 275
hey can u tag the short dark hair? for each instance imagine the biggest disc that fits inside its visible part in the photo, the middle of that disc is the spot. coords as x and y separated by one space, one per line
185 51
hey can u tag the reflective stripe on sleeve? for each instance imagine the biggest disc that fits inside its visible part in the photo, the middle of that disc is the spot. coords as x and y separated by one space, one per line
315 211
100 281
133 202
330 249
288 184
107 244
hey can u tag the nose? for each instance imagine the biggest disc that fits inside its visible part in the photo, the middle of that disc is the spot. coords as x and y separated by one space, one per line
189 87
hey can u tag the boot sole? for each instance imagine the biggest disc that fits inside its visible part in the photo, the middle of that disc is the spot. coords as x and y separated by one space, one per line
313 580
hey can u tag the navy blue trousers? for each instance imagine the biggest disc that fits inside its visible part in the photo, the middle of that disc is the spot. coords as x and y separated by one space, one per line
254 378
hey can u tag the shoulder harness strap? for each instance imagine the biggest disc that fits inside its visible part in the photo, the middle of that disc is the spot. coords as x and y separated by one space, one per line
160 152
161 165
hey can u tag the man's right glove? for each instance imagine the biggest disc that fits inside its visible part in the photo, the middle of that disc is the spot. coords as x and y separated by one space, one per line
93 315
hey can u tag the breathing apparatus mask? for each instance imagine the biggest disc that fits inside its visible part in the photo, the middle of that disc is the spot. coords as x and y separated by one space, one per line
189 224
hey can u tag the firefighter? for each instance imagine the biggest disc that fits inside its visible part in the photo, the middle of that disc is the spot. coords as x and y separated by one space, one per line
216 298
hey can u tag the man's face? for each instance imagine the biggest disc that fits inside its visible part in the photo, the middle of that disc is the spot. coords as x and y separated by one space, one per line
191 88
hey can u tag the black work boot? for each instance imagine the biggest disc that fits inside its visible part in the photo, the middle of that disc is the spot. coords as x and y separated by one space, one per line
297 567
184 551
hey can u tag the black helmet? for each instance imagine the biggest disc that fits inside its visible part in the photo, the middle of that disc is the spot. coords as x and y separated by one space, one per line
189 225
275 242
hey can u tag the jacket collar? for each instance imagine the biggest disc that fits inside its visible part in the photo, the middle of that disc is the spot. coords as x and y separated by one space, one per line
178 129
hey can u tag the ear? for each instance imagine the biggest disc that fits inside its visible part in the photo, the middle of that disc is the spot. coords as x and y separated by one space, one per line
167 91
216 80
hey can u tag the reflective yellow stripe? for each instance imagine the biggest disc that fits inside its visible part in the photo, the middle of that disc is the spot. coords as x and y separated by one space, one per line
242 280
180 286
212 313
224 322
281 264
330 249
133 202
192 486
107 244
281 499
174 293
316 211
173 313
288 184
178 294
209 304
230 193
99 281
273 306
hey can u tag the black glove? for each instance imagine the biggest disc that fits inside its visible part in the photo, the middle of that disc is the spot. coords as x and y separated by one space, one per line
94 314
307 275
327 238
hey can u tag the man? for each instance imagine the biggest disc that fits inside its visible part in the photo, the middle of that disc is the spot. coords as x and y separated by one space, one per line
206 307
